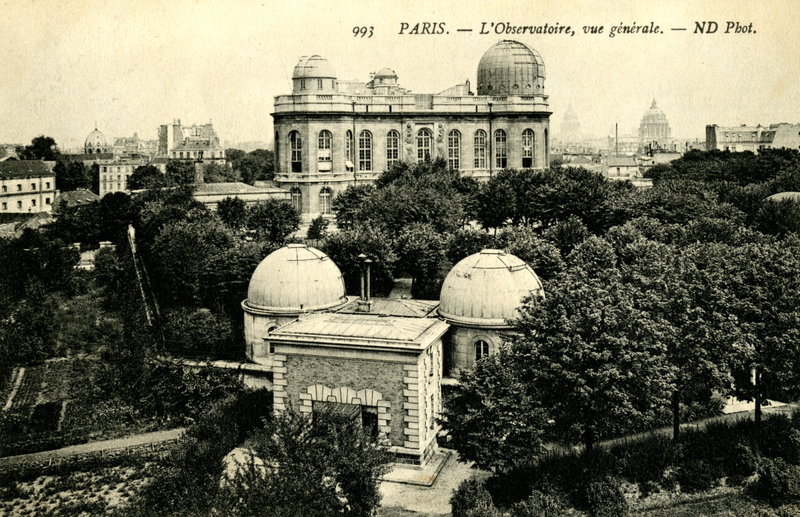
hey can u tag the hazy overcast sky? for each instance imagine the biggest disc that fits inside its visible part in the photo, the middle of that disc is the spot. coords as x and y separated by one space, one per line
131 65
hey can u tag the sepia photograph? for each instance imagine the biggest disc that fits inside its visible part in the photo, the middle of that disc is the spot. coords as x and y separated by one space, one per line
409 259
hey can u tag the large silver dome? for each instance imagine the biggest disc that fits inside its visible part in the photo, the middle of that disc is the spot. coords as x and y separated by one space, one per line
296 278
510 68
486 289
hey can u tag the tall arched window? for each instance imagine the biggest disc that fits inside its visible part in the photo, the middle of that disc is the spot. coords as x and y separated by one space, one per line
348 149
325 201
481 350
500 151
365 151
392 148
454 150
424 138
324 148
297 199
528 147
480 149
296 157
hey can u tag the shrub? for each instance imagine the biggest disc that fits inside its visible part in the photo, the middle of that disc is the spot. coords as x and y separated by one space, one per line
778 482
697 475
538 504
605 499
742 463
471 499
645 460
780 439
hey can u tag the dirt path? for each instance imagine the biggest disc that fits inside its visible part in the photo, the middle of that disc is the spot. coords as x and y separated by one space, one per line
107 445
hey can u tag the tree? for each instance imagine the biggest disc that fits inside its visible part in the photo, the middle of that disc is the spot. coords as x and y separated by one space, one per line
764 282
233 212
344 249
495 418
41 148
320 466
181 172
540 254
216 173
146 177
594 358
318 228
77 177
273 220
116 213
421 253
179 255
347 203
94 178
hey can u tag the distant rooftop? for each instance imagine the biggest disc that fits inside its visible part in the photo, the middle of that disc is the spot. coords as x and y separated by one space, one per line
18 169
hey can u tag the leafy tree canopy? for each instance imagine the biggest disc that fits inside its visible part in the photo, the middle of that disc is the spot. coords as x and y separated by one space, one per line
41 148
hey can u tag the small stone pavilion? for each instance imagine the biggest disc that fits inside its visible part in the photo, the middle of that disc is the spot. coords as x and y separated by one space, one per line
381 360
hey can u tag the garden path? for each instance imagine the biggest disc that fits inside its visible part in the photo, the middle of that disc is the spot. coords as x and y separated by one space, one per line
86 448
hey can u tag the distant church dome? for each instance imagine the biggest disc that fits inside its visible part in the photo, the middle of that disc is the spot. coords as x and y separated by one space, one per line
96 143
485 289
293 279
510 68
314 67
654 125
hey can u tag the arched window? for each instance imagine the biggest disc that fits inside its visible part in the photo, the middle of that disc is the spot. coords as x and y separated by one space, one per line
348 149
324 152
454 150
297 199
500 151
392 148
424 138
528 147
296 157
480 149
325 201
481 350
365 151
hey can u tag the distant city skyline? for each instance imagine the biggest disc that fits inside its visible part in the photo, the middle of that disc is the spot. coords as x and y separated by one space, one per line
132 66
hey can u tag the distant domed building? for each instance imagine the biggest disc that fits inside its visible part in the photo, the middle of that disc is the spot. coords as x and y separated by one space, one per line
654 129
381 360
96 143
331 133
570 126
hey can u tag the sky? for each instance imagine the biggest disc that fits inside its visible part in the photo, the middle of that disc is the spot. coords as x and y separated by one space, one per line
131 65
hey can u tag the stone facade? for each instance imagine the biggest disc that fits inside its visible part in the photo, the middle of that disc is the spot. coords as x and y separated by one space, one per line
752 138
329 135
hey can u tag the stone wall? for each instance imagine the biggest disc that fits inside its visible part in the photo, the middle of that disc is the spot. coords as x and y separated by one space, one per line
356 374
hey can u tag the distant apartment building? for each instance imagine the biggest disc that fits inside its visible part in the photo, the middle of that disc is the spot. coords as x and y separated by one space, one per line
130 146
752 138
198 143
26 186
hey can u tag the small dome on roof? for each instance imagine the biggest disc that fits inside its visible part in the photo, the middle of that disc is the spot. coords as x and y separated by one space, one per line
486 289
296 278
385 72
313 67
510 67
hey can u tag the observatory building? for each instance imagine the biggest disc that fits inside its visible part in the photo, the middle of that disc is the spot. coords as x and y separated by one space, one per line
331 133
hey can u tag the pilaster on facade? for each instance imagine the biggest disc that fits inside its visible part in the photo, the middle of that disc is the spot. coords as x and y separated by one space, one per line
411 420
279 394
